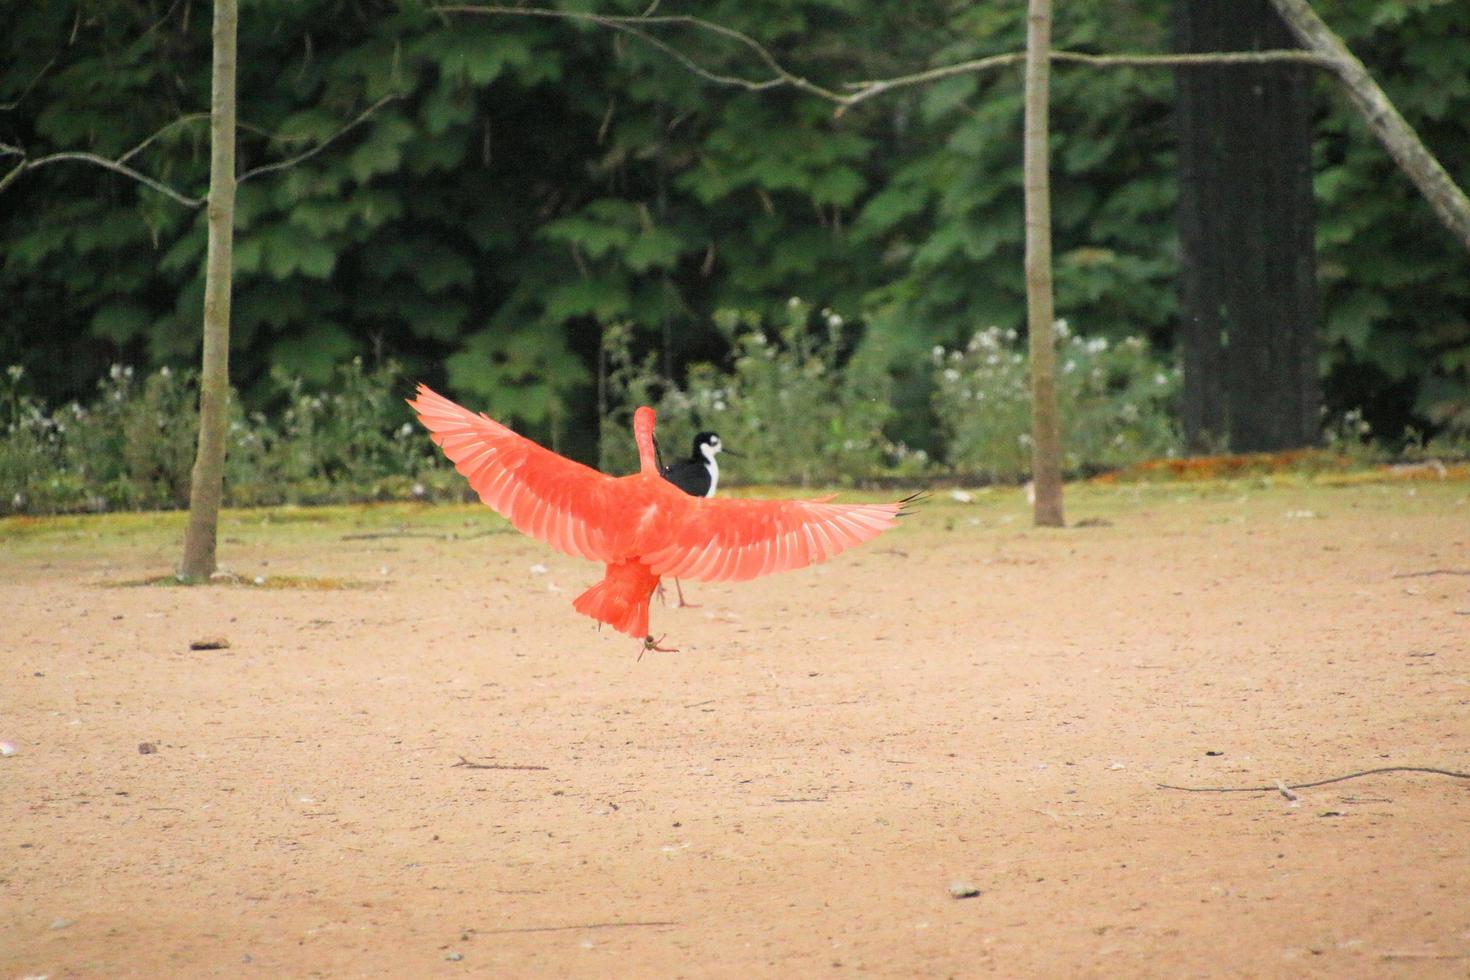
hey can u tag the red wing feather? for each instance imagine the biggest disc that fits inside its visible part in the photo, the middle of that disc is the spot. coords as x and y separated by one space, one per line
734 540
543 494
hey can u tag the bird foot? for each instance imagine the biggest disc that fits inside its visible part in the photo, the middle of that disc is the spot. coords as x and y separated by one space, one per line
662 598
683 603
649 643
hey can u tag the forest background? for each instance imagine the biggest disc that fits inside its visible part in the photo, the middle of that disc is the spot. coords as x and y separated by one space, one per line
552 221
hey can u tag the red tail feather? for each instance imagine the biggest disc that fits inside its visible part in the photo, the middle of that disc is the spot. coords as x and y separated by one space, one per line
621 599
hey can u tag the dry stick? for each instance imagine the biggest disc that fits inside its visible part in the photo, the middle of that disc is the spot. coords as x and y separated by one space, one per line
1321 782
464 763
589 925
1433 571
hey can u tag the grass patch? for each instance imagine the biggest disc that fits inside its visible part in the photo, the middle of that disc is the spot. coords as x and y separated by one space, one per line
314 583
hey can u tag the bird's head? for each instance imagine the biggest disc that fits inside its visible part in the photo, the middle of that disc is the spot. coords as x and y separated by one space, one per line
708 445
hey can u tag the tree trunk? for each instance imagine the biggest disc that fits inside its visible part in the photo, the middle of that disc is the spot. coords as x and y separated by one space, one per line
1248 290
207 483
1396 135
1046 449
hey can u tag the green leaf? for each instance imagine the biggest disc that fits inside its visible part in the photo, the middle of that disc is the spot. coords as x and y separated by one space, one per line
120 323
314 353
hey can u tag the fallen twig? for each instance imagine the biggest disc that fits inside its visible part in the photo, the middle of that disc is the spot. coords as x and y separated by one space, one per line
464 763
589 925
1321 782
1424 956
373 535
1433 571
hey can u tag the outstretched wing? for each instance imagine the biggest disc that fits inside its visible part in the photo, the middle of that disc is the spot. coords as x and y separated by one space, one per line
543 494
734 540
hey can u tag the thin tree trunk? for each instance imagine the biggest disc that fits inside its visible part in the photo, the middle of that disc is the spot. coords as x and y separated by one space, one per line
207 483
1397 136
1046 449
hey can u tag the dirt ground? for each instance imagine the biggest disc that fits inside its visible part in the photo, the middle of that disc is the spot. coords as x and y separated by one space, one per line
966 701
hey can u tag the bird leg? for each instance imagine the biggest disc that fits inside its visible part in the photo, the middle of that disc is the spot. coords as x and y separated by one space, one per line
649 643
682 603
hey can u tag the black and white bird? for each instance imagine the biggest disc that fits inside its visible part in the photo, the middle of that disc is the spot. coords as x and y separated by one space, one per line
698 476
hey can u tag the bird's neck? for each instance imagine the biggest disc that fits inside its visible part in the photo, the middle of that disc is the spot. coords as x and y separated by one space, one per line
643 435
714 473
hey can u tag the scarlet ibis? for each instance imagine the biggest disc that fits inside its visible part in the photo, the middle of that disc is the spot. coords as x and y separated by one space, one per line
641 526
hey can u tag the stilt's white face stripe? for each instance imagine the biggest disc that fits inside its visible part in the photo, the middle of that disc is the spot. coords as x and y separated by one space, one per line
709 450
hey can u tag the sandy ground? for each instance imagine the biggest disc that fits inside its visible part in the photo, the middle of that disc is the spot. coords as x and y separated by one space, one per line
966 700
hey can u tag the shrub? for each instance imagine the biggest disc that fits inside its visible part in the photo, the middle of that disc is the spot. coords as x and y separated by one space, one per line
1117 404
792 404
134 445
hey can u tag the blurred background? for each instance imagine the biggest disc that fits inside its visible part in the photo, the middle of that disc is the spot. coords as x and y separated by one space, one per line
553 221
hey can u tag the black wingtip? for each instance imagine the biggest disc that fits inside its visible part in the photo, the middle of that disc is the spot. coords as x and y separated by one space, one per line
917 497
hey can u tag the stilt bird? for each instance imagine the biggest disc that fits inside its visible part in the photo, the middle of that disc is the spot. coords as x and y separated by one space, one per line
641 526
698 476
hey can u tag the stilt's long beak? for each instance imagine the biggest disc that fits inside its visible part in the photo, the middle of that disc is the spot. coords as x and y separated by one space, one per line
731 452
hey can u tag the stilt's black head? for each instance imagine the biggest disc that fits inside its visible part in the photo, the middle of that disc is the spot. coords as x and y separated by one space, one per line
706 445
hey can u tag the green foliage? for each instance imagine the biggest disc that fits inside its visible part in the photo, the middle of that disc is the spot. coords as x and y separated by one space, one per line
535 182
132 446
1396 286
791 403
1118 404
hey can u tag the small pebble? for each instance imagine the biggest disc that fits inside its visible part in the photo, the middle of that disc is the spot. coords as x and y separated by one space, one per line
147 748
8 748
963 889
210 643
454 957
62 923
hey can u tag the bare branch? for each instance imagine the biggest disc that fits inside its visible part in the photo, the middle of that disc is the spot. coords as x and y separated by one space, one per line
866 90
120 165
114 165
1449 202
29 85
780 75
308 154
694 67
191 117
862 91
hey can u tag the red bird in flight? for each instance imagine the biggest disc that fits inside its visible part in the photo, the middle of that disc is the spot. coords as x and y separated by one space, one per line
641 526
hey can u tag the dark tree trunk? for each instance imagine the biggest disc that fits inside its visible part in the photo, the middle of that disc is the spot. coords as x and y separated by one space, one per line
1248 291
